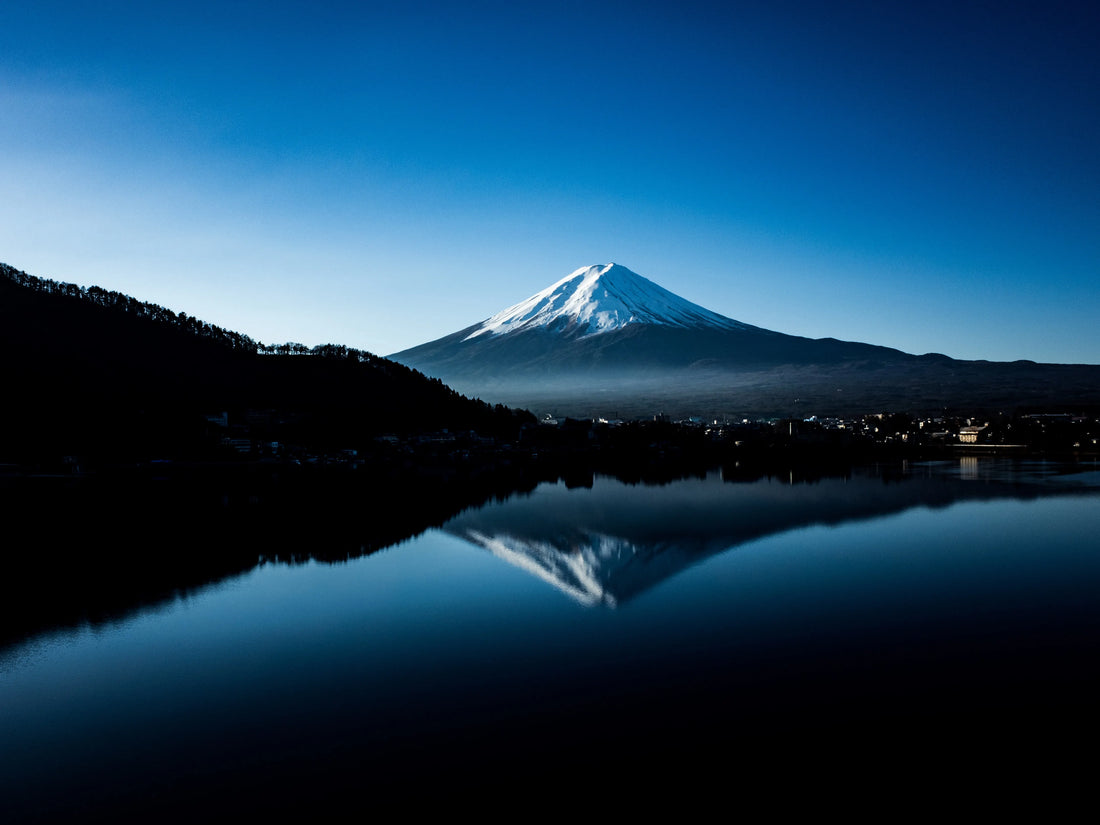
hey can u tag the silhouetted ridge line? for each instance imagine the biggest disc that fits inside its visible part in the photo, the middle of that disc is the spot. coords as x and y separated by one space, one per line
117 301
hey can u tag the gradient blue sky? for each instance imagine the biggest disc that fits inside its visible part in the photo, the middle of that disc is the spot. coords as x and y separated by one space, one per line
920 175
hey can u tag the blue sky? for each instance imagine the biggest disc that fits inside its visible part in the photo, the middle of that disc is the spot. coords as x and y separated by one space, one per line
924 176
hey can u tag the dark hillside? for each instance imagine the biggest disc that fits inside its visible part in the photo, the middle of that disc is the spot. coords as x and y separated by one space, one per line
95 372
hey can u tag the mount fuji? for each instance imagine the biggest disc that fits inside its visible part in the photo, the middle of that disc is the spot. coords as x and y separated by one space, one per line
601 299
606 318
605 340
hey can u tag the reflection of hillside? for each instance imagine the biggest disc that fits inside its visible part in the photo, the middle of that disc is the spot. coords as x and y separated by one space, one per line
91 551
608 544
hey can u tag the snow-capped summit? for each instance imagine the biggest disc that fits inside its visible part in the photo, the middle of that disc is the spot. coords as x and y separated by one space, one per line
605 336
598 299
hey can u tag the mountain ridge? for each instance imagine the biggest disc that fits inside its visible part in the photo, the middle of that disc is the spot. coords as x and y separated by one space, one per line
93 372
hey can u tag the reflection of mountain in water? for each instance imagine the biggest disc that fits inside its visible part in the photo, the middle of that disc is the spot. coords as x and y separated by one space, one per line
607 544
586 566
132 546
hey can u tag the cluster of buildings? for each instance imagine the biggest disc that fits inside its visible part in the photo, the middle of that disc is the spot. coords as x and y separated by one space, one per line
998 432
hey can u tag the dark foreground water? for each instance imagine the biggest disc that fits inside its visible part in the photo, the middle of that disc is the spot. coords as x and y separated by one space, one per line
637 640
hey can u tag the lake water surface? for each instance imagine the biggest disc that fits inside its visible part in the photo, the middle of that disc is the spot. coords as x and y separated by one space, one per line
589 632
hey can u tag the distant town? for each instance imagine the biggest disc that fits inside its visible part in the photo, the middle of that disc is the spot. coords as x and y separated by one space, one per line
612 444
1000 434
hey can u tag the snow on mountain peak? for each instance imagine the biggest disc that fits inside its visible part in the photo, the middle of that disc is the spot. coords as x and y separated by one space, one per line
597 299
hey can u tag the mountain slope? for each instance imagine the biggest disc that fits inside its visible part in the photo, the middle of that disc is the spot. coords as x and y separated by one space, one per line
606 340
602 318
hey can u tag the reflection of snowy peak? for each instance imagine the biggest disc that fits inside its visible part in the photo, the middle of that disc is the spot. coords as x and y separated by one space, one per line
583 567
591 567
598 299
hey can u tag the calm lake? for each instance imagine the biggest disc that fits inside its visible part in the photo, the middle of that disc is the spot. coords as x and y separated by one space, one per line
575 636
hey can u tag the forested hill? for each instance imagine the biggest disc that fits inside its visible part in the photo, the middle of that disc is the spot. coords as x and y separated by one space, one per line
86 370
